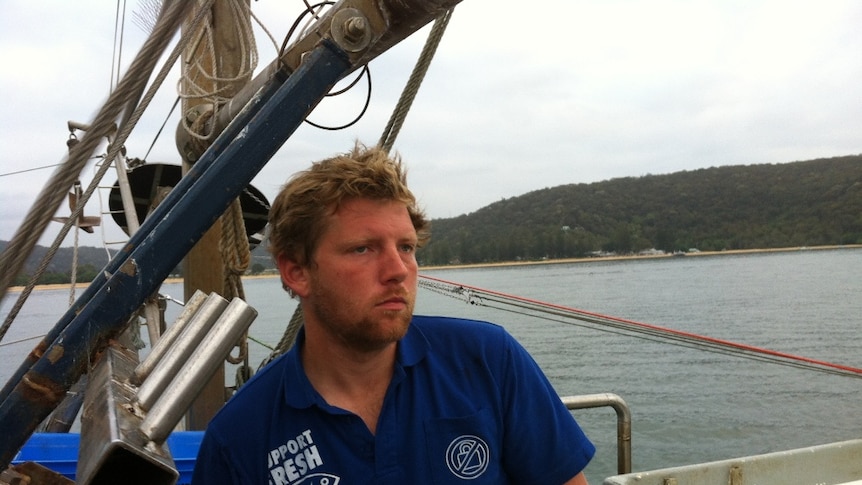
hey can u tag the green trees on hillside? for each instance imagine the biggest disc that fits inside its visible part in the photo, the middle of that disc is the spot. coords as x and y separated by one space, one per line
84 274
810 203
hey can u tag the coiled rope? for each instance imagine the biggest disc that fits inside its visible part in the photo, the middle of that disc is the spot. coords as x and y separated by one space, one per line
558 313
236 254
207 74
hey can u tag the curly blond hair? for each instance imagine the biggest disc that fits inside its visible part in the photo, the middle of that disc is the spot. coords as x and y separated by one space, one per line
300 211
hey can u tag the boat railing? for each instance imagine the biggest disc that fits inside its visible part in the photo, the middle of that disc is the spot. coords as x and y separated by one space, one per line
828 464
624 422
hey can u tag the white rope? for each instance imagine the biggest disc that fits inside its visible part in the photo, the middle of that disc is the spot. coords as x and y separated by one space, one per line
207 74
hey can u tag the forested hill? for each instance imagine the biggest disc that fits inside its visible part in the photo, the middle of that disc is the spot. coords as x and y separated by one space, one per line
811 203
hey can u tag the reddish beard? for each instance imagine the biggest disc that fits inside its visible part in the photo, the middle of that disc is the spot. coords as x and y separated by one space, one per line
367 332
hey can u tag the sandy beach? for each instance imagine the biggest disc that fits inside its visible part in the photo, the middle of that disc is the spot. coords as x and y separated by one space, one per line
14 289
635 256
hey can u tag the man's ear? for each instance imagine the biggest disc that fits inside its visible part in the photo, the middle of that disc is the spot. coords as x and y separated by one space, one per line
294 276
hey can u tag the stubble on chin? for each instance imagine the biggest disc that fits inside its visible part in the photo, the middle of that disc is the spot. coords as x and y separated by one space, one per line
377 335
367 334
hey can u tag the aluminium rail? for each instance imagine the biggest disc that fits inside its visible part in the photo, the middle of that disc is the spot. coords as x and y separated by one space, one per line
624 422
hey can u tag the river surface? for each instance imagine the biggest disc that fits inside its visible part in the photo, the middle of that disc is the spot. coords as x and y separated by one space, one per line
688 405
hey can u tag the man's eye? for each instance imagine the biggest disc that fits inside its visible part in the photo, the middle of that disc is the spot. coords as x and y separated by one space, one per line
360 249
408 248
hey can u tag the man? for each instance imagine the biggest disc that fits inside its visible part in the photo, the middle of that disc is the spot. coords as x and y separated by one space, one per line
371 394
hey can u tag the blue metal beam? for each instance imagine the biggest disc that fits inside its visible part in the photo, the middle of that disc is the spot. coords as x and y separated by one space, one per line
162 241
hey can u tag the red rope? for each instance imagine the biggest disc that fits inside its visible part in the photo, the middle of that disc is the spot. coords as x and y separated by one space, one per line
680 333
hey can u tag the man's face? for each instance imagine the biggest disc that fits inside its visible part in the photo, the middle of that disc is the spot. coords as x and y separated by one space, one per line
362 280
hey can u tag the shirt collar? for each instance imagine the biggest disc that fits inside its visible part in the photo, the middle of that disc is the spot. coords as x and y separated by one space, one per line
300 394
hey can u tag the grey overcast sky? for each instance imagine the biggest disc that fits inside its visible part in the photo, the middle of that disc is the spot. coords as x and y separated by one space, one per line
520 96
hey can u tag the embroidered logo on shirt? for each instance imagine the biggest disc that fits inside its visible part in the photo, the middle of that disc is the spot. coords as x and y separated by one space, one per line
467 456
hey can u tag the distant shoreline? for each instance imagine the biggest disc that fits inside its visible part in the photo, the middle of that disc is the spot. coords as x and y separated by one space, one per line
639 257
66 286
60 286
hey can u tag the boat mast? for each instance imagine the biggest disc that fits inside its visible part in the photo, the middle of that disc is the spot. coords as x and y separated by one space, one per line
209 67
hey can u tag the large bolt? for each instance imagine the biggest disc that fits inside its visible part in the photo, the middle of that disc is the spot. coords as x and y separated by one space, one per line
354 29
351 30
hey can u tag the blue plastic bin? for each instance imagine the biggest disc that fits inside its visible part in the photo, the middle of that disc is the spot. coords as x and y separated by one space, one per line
59 452
184 447
55 451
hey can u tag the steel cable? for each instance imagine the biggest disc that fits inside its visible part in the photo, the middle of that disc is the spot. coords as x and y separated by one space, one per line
552 312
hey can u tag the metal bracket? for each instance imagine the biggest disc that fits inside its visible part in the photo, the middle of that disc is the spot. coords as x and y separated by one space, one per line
112 450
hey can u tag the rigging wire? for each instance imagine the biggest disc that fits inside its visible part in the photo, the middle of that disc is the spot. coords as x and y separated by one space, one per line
119 33
620 326
309 9
162 128
26 339
12 258
365 71
314 11
43 167
393 127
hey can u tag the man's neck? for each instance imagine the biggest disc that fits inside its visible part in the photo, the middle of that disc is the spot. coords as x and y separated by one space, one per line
348 378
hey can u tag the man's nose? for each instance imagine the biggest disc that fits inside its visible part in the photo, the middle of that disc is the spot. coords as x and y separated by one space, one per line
394 267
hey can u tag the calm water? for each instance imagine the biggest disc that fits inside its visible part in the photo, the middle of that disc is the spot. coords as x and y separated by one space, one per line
688 405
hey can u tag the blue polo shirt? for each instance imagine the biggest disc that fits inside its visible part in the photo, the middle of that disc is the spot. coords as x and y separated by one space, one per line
466 405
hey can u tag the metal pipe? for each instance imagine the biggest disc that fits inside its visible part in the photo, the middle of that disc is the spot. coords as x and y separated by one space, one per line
154 314
167 340
624 422
177 355
196 372
188 211
132 222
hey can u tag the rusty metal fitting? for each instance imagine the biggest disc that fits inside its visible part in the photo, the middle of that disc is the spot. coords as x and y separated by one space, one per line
197 120
350 30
